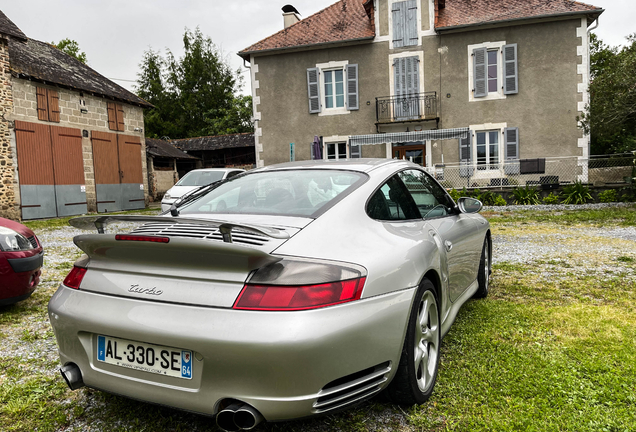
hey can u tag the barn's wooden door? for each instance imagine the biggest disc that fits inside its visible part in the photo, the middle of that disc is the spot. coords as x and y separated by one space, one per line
50 170
118 172
132 181
68 167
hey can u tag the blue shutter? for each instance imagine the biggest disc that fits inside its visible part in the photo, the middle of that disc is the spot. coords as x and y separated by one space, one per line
412 75
511 75
354 151
410 23
351 72
398 11
313 89
480 78
511 147
465 155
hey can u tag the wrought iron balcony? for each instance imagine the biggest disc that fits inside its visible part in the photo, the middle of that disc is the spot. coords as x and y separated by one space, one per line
393 109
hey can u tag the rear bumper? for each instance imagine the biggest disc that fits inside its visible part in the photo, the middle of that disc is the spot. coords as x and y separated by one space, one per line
19 275
278 362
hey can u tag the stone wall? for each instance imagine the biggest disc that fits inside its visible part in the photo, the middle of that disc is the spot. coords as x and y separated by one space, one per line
8 207
96 119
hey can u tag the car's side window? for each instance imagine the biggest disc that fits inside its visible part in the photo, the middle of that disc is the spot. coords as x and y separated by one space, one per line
430 199
392 202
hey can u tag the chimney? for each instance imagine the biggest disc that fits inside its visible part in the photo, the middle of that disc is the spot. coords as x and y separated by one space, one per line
290 15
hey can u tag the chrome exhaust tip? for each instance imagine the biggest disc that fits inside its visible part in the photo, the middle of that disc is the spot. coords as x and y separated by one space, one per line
73 376
225 418
247 417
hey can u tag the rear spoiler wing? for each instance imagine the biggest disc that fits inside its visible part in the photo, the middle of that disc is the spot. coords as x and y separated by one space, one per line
100 222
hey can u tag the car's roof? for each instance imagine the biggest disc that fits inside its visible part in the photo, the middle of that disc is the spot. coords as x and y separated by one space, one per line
362 165
215 169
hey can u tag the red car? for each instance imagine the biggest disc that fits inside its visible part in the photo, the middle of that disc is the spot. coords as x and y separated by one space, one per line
21 257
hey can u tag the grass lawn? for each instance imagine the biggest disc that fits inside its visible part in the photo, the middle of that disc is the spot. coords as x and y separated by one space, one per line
553 348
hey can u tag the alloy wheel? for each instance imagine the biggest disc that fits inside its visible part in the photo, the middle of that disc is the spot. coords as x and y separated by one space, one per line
427 340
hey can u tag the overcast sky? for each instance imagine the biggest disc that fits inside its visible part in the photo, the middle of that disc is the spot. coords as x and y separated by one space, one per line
115 33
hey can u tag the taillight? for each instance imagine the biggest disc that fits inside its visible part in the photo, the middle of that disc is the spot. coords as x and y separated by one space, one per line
281 297
74 278
153 239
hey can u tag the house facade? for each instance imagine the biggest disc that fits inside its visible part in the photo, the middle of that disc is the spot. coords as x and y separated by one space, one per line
71 141
487 89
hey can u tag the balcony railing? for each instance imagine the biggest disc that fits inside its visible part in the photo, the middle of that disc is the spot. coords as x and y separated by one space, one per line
422 106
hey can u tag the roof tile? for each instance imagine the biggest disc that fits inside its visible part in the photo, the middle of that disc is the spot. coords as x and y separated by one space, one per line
343 21
472 12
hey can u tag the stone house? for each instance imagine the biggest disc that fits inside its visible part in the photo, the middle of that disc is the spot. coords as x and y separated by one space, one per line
488 89
162 160
71 140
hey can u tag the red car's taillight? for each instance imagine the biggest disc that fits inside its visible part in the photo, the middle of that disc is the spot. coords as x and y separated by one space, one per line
280 297
133 237
74 278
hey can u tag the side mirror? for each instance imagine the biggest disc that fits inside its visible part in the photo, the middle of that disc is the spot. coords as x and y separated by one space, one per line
469 205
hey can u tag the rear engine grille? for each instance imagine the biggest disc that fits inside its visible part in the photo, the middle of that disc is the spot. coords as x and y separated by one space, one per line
199 231
33 242
352 388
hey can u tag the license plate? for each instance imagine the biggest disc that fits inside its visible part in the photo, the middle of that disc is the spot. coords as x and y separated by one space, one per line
145 357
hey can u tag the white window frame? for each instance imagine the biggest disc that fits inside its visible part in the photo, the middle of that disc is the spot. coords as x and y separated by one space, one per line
335 139
488 144
330 66
488 127
490 46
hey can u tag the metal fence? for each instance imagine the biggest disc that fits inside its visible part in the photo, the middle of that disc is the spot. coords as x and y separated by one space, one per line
422 106
547 173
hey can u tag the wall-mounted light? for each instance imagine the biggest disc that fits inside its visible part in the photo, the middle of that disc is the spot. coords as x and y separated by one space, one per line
368 102
85 133
138 129
448 95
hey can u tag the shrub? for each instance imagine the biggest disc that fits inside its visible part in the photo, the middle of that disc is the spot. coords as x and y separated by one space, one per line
500 201
455 195
526 195
551 199
487 198
608 196
576 193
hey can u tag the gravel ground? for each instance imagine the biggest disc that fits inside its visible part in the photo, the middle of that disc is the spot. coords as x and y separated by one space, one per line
601 252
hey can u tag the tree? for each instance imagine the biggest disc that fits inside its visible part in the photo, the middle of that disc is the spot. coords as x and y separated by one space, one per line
195 95
611 116
71 48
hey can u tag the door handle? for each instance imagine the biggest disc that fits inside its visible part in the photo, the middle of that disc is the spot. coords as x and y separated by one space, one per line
449 245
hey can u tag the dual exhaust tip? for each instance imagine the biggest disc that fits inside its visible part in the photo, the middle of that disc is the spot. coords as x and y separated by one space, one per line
235 417
238 416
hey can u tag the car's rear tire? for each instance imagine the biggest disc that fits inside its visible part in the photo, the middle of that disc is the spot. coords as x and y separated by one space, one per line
483 276
417 371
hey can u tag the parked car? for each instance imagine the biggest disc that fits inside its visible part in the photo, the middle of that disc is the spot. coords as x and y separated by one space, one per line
292 290
21 257
194 180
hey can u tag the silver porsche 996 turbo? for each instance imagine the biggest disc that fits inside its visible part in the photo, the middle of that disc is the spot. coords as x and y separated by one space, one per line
288 291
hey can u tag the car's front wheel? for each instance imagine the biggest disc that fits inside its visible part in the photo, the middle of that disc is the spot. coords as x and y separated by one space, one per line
416 374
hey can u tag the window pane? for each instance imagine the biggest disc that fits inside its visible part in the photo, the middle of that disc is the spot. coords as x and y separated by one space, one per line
294 193
329 101
340 101
481 138
493 137
342 150
331 151
492 57
328 76
430 198
338 75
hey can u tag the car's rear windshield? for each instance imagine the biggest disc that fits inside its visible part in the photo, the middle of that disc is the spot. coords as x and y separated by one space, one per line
200 178
307 193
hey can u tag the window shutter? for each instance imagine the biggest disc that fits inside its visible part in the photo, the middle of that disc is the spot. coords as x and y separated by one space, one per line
112 116
398 14
313 88
511 76
410 23
119 116
465 155
354 151
479 73
43 104
351 71
412 75
511 136
54 105
399 65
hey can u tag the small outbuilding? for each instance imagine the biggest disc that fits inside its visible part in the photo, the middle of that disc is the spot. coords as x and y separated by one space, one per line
162 159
